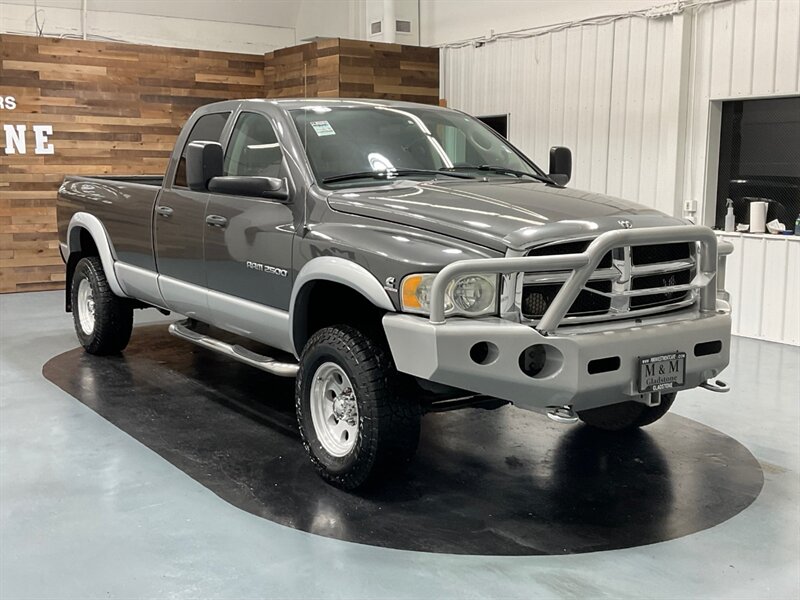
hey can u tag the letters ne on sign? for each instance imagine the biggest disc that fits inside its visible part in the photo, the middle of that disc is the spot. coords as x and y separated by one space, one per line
15 135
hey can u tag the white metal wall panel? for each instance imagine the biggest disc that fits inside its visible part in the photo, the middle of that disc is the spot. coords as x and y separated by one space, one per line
740 49
601 90
763 278
787 53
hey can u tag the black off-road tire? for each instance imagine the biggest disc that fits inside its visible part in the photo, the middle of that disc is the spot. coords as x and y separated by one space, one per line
113 316
388 417
626 416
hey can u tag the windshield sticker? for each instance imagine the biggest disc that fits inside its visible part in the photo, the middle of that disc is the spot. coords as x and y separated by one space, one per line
322 128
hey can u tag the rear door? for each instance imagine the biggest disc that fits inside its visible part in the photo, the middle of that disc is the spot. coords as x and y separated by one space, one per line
179 225
248 241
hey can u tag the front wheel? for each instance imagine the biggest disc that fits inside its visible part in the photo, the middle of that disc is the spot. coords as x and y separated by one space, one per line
103 321
625 416
355 419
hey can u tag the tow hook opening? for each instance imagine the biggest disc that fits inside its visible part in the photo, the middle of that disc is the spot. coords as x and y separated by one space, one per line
604 365
708 348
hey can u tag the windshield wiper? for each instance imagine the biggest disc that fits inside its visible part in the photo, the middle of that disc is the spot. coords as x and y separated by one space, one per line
391 174
500 170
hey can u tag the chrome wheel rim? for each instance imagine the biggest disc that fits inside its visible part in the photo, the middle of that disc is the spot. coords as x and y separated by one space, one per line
334 410
85 306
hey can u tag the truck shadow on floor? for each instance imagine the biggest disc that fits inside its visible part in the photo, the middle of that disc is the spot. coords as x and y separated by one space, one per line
502 482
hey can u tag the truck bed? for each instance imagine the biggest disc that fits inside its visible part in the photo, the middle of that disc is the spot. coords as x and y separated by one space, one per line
153 180
123 204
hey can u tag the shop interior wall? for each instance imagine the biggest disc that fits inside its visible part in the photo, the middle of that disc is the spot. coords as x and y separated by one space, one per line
113 108
247 26
744 49
345 68
607 91
447 21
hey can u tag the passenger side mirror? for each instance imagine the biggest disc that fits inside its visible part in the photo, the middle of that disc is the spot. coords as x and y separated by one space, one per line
203 163
257 187
560 165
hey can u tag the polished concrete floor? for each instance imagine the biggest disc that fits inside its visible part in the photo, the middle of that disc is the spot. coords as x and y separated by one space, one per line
87 511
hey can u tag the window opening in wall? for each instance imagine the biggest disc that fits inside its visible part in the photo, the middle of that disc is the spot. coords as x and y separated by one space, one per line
759 159
497 122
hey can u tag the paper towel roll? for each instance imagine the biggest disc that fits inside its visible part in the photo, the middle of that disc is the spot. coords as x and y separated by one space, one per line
758 217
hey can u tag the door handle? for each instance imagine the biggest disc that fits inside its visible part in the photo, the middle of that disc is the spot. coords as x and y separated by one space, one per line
164 211
216 221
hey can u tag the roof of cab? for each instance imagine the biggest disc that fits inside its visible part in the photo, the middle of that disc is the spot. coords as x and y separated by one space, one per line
294 103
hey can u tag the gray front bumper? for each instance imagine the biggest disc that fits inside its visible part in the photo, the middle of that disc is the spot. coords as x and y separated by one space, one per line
441 353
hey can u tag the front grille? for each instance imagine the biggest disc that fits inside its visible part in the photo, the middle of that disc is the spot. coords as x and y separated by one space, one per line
657 281
648 255
569 248
537 298
652 267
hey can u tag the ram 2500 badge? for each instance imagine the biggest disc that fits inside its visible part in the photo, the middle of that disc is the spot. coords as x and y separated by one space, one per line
398 259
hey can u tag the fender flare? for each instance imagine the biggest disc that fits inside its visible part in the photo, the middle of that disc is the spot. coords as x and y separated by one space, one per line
337 270
83 220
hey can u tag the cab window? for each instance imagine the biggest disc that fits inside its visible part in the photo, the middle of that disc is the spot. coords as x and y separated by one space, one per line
254 150
208 128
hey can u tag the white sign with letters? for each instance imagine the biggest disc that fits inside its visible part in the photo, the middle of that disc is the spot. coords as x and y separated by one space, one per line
16 136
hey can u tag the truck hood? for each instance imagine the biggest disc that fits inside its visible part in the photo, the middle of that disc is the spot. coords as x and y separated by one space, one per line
498 214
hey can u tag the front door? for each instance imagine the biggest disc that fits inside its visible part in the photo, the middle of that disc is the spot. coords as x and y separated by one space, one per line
248 241
179 225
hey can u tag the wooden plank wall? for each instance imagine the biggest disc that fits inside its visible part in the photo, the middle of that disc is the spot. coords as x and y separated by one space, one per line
391 71
115 109
305 71
354 69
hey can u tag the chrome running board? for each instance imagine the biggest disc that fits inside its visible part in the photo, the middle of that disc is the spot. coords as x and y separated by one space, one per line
234 351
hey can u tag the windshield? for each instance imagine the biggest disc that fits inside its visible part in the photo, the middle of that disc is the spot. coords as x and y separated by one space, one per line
346 144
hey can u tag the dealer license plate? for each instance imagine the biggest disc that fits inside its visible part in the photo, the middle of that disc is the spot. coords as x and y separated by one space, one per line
662 372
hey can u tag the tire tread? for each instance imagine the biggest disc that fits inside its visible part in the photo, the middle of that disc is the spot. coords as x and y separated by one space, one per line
392 439
113 315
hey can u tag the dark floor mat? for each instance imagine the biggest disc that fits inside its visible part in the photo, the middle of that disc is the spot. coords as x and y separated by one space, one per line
502 482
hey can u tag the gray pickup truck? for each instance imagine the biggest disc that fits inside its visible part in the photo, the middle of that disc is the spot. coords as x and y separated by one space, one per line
398 259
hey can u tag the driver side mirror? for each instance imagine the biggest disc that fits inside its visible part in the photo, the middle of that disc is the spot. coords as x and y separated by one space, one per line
203 163
272 188
560 165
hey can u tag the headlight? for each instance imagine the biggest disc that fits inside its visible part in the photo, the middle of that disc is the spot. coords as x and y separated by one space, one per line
469 295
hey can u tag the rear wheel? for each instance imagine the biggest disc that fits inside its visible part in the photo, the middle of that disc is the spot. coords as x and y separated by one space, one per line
355 420
103 321
626 416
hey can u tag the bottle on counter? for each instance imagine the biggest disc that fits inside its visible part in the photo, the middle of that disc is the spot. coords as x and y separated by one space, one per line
730 219
797 225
